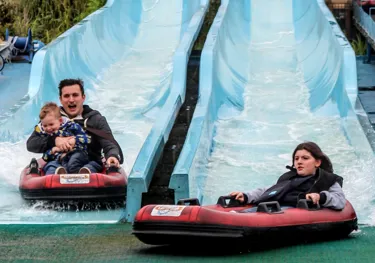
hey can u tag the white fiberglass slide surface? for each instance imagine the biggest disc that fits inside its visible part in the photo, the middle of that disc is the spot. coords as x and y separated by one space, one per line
124 54
282 73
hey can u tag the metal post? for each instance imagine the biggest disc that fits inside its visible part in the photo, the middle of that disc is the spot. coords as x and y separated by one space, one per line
188 115
6 34
174 153
369 48
348 21
368 53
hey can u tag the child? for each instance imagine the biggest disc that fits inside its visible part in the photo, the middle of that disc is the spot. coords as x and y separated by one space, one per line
310 177
53 124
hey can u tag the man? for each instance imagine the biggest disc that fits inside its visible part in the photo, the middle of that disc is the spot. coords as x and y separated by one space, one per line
72 97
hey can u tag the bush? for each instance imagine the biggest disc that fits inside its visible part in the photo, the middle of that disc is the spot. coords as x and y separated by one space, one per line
50 18
6 14
47 19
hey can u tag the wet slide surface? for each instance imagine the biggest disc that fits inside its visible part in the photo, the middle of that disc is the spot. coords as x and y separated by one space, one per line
124 54
14 80
278 81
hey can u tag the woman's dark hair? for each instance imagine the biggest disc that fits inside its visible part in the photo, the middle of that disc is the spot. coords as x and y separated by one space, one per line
317 153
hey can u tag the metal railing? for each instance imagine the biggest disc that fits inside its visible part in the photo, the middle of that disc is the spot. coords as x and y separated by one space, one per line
5 53
364 19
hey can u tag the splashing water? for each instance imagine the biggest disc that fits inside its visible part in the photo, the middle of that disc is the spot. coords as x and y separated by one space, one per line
129 94
251 149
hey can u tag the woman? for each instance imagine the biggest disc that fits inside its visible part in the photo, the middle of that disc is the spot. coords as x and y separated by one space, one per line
310 177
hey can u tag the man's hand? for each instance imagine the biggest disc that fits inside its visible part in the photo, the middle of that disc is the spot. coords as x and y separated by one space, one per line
65 143
72 141
112 161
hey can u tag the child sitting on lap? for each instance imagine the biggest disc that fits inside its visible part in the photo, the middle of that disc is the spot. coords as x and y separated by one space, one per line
53 124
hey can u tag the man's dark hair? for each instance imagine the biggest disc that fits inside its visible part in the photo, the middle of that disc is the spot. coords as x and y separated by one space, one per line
71 82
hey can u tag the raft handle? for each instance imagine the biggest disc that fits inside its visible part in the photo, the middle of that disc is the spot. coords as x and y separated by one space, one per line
222 201
112 169
307 204
189 201
34 167
272 207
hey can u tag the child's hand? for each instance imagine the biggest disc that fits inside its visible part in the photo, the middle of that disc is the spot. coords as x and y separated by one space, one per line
238 196
56 150
315 197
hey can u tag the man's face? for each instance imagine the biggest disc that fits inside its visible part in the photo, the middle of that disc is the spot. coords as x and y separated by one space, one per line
72 100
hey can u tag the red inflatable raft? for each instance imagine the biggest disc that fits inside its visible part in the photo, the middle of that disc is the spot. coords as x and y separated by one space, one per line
366 2
201 225
34 185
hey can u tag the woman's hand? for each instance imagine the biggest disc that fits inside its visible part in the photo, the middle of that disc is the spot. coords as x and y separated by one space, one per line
314 197
238 196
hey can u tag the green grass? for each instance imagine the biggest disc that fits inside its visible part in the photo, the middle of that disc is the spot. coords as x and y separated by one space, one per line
359 46
210 16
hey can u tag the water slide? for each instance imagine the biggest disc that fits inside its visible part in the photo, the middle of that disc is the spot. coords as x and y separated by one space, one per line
274 74
132 56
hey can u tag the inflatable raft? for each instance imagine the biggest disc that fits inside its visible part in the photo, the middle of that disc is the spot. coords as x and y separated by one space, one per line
108 185
366 2
191 224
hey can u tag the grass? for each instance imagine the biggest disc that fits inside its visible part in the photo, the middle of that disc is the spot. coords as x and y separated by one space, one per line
359 46
210 16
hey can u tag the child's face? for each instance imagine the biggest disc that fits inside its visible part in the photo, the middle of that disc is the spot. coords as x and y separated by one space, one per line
51 123
305 163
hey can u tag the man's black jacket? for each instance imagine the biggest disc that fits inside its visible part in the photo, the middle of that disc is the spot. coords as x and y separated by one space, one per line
96 126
